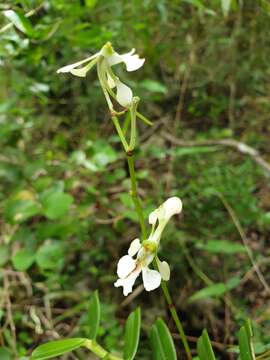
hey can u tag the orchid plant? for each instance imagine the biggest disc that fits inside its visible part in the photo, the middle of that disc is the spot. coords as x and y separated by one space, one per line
141 253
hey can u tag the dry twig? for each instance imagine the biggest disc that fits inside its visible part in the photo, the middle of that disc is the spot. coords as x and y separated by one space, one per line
237 145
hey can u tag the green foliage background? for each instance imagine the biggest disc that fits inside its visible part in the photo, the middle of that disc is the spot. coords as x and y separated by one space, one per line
65 213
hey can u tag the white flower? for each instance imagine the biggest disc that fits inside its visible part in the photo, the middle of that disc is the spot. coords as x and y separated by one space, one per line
105 59
162 215
128 268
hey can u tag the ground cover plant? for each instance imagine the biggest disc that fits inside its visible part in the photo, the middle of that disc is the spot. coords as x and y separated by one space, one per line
169 147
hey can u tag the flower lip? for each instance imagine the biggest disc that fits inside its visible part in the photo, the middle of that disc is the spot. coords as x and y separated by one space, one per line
125 266
123 94
170 207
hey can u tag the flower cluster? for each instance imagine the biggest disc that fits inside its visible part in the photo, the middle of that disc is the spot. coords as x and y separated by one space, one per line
128 268
105 59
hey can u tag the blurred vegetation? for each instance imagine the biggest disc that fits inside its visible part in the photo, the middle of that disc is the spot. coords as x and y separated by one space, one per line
65 213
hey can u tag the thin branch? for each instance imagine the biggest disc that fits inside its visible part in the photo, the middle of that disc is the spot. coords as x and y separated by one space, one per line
236 145
245 241
28 14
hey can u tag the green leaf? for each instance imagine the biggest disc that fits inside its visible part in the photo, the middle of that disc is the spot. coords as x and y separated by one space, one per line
222 247
50 256
93 315
204 347
162 342
215 290
4 353
21 210
91 3
56 348
23 259
245 345
132 334
104 154
181 151
55 203
20 22
154 86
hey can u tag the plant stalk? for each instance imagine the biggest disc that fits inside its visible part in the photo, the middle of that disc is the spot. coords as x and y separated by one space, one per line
139 210
100 351
165 290
134 193
176 318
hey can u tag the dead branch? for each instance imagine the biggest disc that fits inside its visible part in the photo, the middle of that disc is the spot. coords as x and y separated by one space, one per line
237 145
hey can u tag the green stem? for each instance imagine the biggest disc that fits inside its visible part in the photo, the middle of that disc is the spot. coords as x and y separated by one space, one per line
120 133
139 210
175 316
100 351
132 142
144 119
166 294
134 193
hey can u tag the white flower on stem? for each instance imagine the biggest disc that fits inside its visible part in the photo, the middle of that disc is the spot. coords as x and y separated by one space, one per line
128 268
105 59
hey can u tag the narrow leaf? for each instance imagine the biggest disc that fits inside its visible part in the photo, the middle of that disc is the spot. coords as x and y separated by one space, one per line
245 344
93 315
132 334
221 247
162 342
215 290
204 347
56 348
4 353
20 22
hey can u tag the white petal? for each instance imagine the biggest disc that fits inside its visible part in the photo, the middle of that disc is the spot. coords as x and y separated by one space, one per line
125 266
123 94
68 68
153 217
128 282
157 214
110 81
134 247
83 71
116 58
172 206
151 279
164 269
133 62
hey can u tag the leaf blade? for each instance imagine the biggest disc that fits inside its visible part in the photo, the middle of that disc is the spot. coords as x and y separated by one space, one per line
162 342
204 347
20 22
132 334
56 348
93 315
